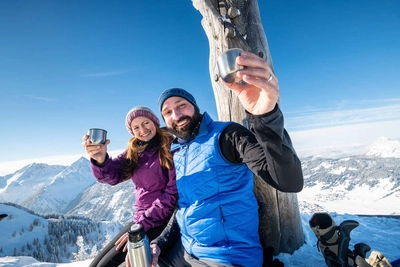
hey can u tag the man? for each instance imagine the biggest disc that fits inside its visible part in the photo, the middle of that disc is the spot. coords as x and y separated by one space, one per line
215 163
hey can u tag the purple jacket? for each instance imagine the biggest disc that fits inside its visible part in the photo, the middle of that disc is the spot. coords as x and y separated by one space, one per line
156 193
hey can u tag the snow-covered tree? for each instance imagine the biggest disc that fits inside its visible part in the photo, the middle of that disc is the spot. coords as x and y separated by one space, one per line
106 240
81 254
94 252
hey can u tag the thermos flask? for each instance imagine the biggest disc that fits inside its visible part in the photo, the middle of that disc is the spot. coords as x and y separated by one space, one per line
138 247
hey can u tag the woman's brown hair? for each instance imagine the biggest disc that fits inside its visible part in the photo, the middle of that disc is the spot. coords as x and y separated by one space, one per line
134 151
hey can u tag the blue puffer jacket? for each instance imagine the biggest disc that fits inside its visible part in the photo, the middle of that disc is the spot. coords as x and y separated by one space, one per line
218 212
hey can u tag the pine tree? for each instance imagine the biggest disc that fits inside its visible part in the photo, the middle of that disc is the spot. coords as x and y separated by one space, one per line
36 222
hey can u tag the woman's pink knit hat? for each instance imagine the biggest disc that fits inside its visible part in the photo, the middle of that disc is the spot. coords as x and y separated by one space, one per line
137 112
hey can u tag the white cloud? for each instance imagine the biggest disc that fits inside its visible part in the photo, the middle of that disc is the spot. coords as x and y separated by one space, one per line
346 129
346 113
41 98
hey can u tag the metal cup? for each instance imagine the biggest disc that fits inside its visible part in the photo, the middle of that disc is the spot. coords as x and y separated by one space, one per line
227 66
97 136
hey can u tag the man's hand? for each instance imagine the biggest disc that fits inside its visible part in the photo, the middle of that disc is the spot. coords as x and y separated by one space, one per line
261 92
155 253
127 262
122 241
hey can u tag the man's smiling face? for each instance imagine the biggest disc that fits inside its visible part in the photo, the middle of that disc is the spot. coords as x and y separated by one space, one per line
180 116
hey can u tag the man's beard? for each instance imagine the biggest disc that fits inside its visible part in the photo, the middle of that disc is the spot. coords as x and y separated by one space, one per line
186 132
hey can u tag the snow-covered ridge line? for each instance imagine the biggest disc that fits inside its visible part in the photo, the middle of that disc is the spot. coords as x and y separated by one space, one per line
45 216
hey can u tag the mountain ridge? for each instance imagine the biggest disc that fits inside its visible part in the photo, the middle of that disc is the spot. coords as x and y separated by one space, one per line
72 189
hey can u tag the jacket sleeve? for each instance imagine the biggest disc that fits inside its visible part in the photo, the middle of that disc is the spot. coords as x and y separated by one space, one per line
169 235
265 147
108 172
163 206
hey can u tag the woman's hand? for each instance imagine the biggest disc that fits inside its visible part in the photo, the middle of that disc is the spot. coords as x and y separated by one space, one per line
96 152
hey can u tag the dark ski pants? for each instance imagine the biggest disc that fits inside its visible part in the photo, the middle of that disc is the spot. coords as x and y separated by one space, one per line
175 256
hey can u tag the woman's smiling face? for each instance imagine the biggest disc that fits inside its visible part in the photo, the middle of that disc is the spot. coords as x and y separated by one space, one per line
143 128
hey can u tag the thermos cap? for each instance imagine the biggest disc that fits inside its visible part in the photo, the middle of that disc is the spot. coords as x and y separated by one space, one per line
136 233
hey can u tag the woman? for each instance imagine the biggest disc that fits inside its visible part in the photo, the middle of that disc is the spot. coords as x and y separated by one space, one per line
147 161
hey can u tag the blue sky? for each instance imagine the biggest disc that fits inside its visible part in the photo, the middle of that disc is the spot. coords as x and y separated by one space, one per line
67 66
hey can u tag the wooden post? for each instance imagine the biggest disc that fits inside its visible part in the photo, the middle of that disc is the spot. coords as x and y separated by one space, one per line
237 23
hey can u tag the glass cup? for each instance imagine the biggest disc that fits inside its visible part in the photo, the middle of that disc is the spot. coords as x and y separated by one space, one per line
97 136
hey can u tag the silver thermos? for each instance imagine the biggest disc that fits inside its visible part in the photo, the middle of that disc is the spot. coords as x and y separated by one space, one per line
138 247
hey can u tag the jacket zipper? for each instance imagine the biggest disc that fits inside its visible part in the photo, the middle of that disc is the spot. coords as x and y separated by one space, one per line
186 157
184 173
222 214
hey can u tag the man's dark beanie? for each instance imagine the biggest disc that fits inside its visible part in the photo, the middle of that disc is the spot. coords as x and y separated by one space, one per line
176 92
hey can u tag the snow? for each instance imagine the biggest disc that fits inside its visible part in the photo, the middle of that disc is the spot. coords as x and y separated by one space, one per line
338 171
31 262
363 199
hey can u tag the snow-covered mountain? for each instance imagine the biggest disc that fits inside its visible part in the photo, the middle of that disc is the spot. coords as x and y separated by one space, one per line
345 184
65 186
385 148
104 202
70 190
27 182
352 181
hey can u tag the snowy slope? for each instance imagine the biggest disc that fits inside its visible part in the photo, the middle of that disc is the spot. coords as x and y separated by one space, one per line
23 232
